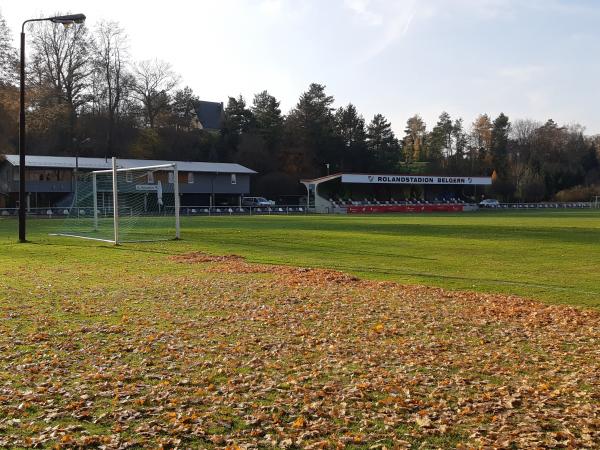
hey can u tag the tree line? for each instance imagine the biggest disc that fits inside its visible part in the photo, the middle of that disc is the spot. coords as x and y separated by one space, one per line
87 95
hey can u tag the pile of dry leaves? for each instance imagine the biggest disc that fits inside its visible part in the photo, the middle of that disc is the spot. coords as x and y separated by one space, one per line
223 353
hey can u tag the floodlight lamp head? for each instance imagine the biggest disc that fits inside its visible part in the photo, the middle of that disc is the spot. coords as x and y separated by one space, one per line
69 19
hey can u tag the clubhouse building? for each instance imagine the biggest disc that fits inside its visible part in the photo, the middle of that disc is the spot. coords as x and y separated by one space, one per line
50 180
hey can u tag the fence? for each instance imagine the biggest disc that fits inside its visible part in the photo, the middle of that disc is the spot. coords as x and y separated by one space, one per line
415 207
189 211
242 210
63 212
550 205
53 213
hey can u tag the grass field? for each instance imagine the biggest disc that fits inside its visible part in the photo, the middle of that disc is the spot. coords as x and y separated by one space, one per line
163 345
551 256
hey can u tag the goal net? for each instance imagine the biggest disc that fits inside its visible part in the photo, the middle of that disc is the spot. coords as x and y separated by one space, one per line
120 205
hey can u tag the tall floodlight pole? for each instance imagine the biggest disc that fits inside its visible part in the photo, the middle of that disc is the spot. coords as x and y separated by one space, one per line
66 21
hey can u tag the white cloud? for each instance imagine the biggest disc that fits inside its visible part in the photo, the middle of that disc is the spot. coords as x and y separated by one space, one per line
522 74
538 101
391 21
488 9
362 9
271 7
394 57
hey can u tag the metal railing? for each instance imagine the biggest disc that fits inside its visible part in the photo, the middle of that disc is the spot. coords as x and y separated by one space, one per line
81 212
242 210
538 205
541 205
63 212
189 211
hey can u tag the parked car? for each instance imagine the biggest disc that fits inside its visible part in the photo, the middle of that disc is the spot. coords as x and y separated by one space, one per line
257 201
489 203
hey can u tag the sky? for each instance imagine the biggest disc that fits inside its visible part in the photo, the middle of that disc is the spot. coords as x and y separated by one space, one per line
535 59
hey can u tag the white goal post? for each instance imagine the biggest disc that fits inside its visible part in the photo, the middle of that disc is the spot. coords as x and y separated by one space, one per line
134 206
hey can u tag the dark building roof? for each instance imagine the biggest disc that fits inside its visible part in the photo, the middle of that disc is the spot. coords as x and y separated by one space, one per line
209 114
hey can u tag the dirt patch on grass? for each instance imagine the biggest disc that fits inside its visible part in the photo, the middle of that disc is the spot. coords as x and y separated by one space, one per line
201 357
200 257
236 264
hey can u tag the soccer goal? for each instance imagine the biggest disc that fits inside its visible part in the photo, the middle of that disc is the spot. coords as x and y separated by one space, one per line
118 205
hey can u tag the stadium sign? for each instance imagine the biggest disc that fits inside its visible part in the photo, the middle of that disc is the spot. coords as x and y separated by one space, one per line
415 179
146 187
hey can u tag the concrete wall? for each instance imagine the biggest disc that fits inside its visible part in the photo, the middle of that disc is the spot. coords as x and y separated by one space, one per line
317 203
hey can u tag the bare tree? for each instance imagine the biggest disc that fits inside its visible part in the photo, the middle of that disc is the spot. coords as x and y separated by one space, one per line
110 76
154 80
8 56
61 62
523 133
523 130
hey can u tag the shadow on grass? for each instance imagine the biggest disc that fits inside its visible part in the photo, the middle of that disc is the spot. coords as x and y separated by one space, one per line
381 271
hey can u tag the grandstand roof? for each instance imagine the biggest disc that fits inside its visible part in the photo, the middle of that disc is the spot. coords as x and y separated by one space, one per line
322 179
68 162
368 178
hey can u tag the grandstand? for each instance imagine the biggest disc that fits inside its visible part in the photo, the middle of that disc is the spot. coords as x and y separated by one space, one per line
360 193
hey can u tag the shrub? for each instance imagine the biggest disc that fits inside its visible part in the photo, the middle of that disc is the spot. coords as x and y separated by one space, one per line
578 194
531 187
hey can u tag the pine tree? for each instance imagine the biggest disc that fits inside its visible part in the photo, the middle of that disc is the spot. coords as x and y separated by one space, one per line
313 114
460 139
350 129
311 141
502 185
499 145
238 120
441 138
383 145
268 120
182 108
